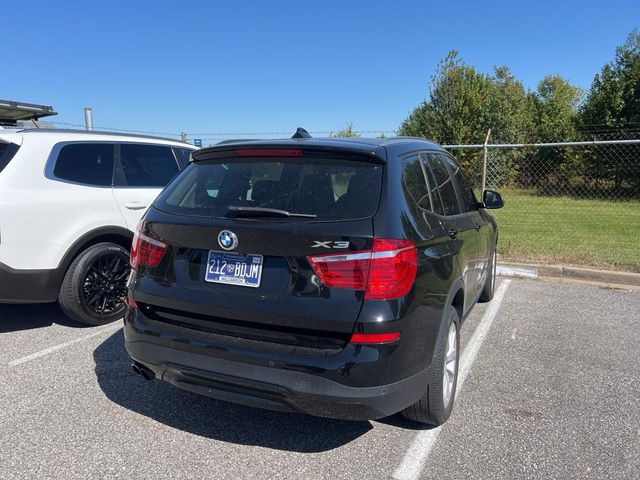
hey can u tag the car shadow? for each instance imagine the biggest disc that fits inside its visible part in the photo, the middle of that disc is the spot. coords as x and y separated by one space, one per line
212 418
399 421
14 318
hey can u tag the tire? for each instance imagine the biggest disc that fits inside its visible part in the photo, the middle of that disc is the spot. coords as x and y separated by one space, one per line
94 286
490 283
436 405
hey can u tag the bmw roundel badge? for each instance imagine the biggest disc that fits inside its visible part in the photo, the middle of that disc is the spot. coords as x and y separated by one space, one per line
227 240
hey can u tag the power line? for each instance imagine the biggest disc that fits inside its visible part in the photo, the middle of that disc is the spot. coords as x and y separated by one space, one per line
214 135
227 134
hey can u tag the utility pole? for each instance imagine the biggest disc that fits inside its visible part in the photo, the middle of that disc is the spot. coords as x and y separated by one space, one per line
88 118
484 161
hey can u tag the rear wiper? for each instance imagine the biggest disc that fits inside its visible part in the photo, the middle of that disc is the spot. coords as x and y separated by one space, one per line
265 212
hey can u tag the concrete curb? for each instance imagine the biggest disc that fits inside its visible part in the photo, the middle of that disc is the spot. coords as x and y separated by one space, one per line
558 271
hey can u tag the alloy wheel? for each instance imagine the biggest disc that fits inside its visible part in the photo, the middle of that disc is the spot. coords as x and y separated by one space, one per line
494 268
105 284
450 364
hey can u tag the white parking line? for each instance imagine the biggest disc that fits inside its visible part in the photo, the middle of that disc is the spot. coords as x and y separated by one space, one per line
424 441
109 328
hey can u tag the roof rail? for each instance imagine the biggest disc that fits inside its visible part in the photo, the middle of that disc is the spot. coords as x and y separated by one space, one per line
44 131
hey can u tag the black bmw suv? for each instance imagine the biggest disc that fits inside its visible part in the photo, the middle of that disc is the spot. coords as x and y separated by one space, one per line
325 276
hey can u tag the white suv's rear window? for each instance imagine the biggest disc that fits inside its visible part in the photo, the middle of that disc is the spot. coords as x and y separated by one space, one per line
7 151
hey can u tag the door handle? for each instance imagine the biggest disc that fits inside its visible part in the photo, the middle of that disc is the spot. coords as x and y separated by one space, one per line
134 206
453 233
477 226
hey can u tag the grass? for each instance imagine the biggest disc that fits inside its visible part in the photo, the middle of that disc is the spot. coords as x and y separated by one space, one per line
565 230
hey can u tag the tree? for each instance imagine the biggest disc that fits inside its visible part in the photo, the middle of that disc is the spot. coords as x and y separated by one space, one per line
556 109
555 105
454 111
614 98
614 101
345 132
463 104
511 117
510 109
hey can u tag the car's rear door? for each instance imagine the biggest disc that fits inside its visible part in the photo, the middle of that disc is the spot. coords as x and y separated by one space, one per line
141 172
436 246
331 199
459 225
469 207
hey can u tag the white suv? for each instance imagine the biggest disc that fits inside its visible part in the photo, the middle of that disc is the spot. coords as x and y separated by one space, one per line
69 203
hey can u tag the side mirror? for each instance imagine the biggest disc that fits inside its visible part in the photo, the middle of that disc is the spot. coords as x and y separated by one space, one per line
492 199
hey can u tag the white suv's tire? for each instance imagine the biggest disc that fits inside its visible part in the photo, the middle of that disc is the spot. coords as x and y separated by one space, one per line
94 286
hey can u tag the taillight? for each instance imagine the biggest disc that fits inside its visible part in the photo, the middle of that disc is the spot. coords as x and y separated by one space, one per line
385 272
342 271
375 337
268 152
394 264
146 250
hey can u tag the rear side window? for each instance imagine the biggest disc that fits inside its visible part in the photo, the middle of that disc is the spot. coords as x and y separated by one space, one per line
86 163
7 151
414 182
433 189
145 166
467 199
330 189
444 184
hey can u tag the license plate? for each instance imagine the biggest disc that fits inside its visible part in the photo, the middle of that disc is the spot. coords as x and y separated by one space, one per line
234 269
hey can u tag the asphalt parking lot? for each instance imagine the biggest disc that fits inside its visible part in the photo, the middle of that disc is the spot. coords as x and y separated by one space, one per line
549 388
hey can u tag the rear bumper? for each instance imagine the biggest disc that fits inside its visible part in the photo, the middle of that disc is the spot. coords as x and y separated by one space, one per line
295 388
29 286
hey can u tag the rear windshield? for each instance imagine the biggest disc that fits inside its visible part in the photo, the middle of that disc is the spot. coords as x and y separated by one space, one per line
325 188
7 151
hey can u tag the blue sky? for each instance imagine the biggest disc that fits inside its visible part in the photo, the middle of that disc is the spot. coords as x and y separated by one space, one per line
206 67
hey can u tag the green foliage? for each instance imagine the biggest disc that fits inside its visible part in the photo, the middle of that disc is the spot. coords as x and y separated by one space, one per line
614 102
454 112
555 116
556 109
345 132
463 104
614 99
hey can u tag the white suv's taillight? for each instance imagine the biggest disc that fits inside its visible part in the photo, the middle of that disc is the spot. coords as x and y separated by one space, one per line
385 272
146 250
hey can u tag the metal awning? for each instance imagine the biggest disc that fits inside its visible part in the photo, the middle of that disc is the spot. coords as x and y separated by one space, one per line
11 112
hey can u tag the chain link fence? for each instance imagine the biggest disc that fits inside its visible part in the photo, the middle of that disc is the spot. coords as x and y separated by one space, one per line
568 203
565 202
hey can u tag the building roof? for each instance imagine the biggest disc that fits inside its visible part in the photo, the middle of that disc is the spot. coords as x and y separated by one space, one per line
12 111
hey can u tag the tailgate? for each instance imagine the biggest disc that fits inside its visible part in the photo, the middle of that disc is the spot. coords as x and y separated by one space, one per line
288 303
